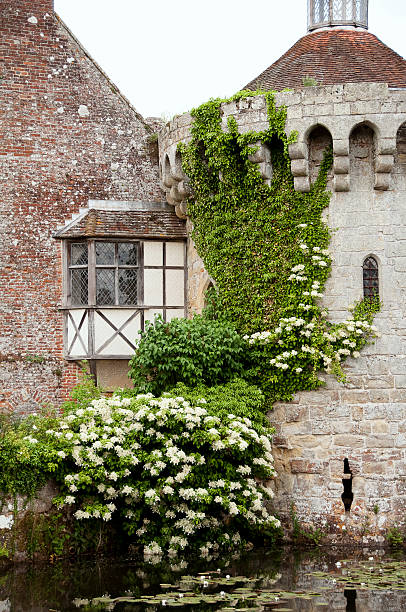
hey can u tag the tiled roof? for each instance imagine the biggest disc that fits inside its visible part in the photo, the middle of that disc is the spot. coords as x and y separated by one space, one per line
126 223
331 57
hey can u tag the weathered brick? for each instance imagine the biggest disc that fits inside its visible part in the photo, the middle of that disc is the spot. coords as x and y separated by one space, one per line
68 136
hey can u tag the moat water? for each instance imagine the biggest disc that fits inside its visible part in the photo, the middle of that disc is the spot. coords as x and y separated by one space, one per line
277 580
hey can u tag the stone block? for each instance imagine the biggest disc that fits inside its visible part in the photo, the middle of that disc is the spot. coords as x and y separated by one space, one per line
297 150
295 112
312 441
341 165
384 163
302 184
366 107
357 413
382 182
286 98
292 429
379 426
400 440
341 183
320 427
342 108
300 167
299 466
354 397
296 413
340 426
379 395
381 441
349 441
341 147
388 107
365 91
400 381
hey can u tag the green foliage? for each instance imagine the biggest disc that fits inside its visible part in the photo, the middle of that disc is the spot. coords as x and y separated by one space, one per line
309 82
35 358
266 248
197 350
395 537
310 536
235 397
82 394
59 535
27 457
4 552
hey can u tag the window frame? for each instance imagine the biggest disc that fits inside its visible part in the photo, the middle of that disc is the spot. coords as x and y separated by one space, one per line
91 266
365 286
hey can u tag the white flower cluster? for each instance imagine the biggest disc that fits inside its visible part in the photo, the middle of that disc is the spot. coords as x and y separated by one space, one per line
132 458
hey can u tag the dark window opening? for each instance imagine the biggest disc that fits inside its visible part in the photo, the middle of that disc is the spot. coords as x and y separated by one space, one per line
347 496
370 278
351 597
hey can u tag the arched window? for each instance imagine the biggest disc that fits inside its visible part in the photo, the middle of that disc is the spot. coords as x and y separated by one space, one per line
370 277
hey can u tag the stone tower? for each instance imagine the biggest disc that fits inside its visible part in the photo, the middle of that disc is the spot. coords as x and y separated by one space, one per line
343 441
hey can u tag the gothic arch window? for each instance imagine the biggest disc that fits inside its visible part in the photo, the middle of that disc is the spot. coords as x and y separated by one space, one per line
319 141
370 274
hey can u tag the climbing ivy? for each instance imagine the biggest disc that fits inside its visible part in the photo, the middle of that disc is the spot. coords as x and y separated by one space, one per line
266 246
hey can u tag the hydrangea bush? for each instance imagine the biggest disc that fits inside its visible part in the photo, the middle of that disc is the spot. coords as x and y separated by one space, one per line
179 479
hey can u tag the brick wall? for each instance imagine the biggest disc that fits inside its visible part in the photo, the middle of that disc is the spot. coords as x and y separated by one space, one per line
66 136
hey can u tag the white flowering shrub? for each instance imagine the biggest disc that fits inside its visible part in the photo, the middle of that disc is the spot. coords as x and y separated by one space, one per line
178 478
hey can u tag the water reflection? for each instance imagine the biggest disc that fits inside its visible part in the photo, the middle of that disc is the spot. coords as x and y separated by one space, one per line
66 586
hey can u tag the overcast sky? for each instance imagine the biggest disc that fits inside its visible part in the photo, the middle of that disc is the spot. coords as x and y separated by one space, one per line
167 56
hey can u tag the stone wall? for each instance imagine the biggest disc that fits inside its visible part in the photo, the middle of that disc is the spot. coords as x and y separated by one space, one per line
67 136
14 534
363 421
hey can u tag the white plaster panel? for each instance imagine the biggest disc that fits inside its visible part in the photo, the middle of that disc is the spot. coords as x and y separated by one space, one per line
153 253
174 313
102 331
149 315
77 348
153 287
117 346
175 254
175 280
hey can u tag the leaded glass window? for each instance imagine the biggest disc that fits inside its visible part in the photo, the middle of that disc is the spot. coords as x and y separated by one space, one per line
114 273
370 277
79 276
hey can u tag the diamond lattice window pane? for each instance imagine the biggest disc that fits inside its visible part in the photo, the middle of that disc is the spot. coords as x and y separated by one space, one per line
105 253
128 287
127 254
105 291
321 10
78 254
79 279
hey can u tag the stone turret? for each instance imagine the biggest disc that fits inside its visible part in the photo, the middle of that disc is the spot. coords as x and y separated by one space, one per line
343 442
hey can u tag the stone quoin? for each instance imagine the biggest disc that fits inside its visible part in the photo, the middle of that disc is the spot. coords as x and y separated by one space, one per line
95 239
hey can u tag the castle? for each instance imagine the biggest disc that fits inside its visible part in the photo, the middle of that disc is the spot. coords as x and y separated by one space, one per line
95 239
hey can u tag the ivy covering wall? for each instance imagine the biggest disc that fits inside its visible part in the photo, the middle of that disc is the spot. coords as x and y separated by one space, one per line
266 247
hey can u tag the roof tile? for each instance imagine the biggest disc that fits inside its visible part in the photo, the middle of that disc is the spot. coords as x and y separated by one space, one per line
130 224
331 57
